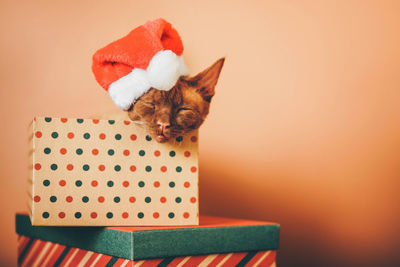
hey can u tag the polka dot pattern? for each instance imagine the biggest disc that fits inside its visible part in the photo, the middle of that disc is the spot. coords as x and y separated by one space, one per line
112 172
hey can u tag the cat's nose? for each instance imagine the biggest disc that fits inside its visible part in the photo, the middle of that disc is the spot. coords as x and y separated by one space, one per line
163 125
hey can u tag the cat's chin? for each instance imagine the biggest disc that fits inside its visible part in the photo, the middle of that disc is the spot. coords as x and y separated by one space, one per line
161 138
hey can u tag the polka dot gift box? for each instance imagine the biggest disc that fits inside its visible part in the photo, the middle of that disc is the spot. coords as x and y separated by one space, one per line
88 172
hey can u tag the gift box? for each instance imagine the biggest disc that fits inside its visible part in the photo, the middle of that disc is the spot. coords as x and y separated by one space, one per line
88 172
36 252
215 242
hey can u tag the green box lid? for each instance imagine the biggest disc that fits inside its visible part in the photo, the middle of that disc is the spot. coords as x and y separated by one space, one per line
213 235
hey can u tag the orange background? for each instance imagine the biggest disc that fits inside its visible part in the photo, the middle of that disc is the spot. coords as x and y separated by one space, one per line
304 129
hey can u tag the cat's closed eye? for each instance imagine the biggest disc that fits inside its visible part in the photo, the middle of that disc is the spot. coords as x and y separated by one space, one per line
183 109
149 104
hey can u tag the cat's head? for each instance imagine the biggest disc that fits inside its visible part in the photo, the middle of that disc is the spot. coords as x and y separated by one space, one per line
168 114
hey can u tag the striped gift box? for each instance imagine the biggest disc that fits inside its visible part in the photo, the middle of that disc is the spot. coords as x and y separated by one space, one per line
215 242
36 252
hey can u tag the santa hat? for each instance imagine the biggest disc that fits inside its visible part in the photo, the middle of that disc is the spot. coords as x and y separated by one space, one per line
148 57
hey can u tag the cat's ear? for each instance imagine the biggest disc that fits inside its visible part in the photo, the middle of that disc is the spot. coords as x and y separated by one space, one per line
206 80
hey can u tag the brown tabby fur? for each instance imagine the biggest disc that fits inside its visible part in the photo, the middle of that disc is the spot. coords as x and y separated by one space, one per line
168 114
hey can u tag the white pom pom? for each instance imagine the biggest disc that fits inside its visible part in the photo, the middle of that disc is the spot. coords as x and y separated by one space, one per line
126 90
164 70
183 70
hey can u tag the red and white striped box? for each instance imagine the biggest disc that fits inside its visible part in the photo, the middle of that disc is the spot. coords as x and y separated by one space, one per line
36 252
215 241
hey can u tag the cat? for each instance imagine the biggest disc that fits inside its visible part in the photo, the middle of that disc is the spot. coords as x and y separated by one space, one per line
168 114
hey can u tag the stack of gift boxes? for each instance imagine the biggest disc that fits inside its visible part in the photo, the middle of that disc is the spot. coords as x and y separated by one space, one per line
104 193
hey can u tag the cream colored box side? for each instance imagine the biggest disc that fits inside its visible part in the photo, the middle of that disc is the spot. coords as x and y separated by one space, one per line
98 173
31 167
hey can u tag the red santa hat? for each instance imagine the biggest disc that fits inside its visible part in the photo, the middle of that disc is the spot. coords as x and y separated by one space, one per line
148 57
